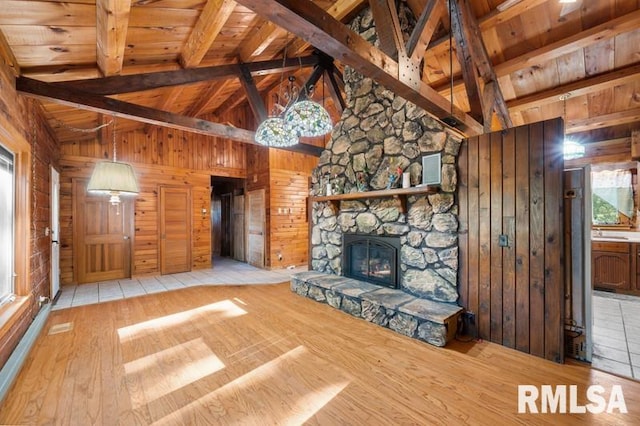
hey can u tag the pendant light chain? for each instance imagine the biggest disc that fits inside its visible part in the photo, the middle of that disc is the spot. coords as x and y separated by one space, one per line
115 158
451 56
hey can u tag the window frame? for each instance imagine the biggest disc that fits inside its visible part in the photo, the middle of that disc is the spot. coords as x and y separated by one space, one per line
6 297
21 149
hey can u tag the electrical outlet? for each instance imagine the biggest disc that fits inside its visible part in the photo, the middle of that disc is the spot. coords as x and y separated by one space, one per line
469 317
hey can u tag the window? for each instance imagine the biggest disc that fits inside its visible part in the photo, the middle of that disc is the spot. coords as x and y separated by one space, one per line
7 221
613 197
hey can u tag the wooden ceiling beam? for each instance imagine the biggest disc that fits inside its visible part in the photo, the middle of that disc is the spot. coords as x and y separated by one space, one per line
260 40
469 71
385 16
308 21
604 31
469 29
105 105
112 23
139 82
426 26
608 120
210 23
6 54
503 14
253 96
334 91
339 10
546 53
582 87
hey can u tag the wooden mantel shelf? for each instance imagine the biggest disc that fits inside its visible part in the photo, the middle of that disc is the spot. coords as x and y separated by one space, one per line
399 194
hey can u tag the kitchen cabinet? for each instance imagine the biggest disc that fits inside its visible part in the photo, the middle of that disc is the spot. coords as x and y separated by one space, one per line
615 266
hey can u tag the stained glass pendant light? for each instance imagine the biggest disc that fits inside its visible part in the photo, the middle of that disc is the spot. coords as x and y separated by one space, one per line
274 132
308 118
113 178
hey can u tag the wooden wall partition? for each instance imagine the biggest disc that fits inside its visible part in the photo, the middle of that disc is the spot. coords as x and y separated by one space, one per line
284 176
510 186
289 188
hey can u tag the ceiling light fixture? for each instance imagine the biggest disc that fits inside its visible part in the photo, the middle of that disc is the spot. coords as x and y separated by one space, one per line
113 178
571 149
299 116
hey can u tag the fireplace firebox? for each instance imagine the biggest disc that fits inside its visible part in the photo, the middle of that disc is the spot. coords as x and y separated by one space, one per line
371 258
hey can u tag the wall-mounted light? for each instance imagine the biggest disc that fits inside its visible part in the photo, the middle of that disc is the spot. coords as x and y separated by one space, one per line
573 149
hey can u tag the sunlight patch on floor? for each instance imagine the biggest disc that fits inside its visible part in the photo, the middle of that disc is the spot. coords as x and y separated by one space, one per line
226 309
171 369
274 377
308 405
60 328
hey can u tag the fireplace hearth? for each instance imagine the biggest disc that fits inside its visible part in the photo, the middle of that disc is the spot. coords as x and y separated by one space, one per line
372 258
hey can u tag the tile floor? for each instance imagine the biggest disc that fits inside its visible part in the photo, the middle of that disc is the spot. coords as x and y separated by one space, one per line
616 333
224 271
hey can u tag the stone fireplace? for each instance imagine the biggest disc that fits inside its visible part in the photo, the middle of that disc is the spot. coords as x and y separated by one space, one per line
378 134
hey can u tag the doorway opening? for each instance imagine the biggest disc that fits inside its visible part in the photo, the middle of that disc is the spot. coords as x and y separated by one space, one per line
601 326
227 218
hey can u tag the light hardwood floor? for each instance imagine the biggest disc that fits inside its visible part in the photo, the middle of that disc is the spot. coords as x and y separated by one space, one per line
262 355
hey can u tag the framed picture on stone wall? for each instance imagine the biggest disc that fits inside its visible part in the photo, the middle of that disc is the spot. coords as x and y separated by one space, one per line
431 169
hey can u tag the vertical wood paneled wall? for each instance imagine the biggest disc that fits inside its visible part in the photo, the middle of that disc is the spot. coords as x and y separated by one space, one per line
161 157
289 229
23 119
284 176
511 186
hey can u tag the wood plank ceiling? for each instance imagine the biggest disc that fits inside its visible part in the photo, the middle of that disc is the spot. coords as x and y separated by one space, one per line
524 61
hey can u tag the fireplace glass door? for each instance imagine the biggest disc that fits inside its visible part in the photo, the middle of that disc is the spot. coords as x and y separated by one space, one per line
372 259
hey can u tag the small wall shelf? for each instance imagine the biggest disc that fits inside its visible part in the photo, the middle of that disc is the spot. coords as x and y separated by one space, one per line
399 194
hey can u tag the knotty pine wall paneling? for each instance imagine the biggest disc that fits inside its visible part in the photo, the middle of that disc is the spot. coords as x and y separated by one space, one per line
289 188
22 119
510 184
160 157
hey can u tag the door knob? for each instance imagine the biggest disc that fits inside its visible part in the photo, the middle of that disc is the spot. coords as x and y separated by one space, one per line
126 237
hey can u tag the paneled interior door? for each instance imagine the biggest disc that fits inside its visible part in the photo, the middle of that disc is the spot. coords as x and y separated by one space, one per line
238 228
102 236
55 232
175 229
256 228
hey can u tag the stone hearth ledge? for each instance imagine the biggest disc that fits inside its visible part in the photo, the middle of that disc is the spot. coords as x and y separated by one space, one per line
422 319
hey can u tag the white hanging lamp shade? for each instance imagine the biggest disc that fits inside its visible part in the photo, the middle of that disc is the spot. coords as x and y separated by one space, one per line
273 132
308 118
113 178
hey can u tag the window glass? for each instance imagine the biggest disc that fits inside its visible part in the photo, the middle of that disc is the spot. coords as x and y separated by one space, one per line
7 208
613 198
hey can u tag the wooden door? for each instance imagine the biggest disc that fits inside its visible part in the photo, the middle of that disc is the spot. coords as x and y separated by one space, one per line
226 245
102 236
510 191
175 229
238 228
256 227
55 233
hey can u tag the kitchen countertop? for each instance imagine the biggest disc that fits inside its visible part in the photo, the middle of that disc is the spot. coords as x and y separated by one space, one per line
615 236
